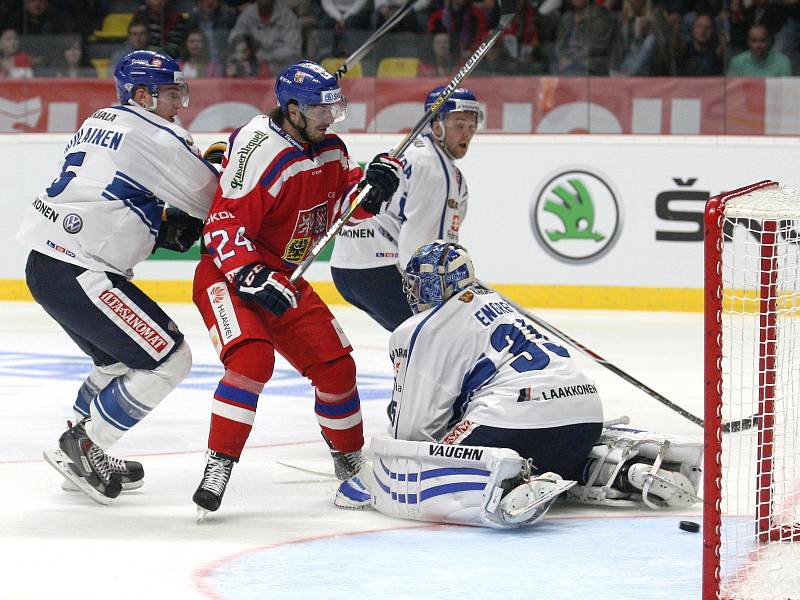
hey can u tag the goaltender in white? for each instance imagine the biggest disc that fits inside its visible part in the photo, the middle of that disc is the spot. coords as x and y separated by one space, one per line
491 421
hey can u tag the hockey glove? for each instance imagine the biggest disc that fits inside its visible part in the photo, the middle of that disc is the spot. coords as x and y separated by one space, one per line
267 288
178 230
215 152
383 176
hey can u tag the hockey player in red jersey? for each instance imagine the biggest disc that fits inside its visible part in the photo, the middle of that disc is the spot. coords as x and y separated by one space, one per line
285 180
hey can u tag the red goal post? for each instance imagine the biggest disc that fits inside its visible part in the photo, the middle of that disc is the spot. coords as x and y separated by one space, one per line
751 515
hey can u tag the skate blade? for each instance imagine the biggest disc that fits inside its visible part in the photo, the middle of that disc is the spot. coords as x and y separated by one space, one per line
202 513
68 486
522 514
56 459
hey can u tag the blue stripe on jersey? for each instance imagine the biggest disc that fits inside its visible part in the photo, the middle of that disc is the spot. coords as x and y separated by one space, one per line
445 472
450 488
431 312
228 392
481 374
183 142
337 410
138 198
447 189
277 166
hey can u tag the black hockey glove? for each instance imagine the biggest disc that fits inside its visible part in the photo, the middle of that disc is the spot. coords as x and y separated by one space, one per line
178 230
215 152
269 289
383 176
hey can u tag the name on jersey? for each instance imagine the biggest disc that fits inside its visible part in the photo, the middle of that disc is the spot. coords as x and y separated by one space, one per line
219 216
490 311
356 233
567 391
46 211
133 320
97 136
243 156
463 452
104 116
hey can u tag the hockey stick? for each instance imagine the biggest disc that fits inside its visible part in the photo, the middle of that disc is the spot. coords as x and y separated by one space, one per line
465 70
373 39
730 427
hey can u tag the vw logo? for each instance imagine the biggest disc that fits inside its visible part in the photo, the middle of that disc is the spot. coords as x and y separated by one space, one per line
73 223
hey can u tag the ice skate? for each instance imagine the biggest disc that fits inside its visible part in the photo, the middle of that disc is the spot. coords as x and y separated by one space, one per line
354 495
131 474
208 495
345 464
82 462
529 501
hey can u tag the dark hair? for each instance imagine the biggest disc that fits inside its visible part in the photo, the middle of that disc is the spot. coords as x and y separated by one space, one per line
277 115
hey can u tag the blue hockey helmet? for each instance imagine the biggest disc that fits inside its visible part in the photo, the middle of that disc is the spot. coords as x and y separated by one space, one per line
436 272
461 100
310 86
149 69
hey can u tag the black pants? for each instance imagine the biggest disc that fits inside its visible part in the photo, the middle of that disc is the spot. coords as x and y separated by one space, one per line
562 450
130 328
378 292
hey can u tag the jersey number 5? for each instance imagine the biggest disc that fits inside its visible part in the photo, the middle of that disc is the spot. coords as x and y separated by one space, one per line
74 159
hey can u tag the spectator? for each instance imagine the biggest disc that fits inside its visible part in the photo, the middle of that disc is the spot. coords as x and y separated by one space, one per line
194 60
584 40
702 56
521 38
466 23
215 20
71 61
308 15
762 60
341 16
166 25
242 60
138 38
497 62
438 60
90 13
14 64
276 31
384 9
40 24
637 38
733 22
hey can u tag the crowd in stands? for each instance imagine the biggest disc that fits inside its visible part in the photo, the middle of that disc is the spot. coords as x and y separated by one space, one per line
237 38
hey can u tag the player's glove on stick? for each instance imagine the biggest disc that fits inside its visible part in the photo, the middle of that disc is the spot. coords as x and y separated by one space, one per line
269 289
383 176
178 230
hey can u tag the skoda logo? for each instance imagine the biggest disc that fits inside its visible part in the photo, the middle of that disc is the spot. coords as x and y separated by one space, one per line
72 223
575 215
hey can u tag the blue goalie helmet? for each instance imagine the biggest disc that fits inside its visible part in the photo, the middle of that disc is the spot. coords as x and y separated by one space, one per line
435 273
461 100
310 85
149 69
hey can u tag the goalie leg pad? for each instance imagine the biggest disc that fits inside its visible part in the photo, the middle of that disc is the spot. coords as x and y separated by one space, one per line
630 466
130 398
442 483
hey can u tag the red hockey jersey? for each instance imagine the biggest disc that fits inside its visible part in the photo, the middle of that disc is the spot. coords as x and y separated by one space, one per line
276 197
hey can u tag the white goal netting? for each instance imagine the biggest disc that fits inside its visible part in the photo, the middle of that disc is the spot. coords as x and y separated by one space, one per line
760 379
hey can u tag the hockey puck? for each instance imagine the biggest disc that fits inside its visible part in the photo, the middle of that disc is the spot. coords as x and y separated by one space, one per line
689 526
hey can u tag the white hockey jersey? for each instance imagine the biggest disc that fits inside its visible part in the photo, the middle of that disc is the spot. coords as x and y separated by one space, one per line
474 360
104 210
430 203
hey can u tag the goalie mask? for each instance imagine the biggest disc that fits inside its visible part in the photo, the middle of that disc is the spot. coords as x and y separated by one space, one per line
151 70
435 273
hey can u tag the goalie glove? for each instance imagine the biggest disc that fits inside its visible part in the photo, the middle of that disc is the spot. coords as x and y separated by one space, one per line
179 231
383 176
270 289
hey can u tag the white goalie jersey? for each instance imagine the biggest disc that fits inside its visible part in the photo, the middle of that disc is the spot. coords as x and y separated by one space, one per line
104 210
474 360
430 203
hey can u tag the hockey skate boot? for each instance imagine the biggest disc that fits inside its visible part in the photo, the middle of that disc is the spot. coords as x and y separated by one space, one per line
131 474
531 498
208 495
345 464
87 463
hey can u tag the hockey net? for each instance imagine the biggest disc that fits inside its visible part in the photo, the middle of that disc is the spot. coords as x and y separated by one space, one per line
751 532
